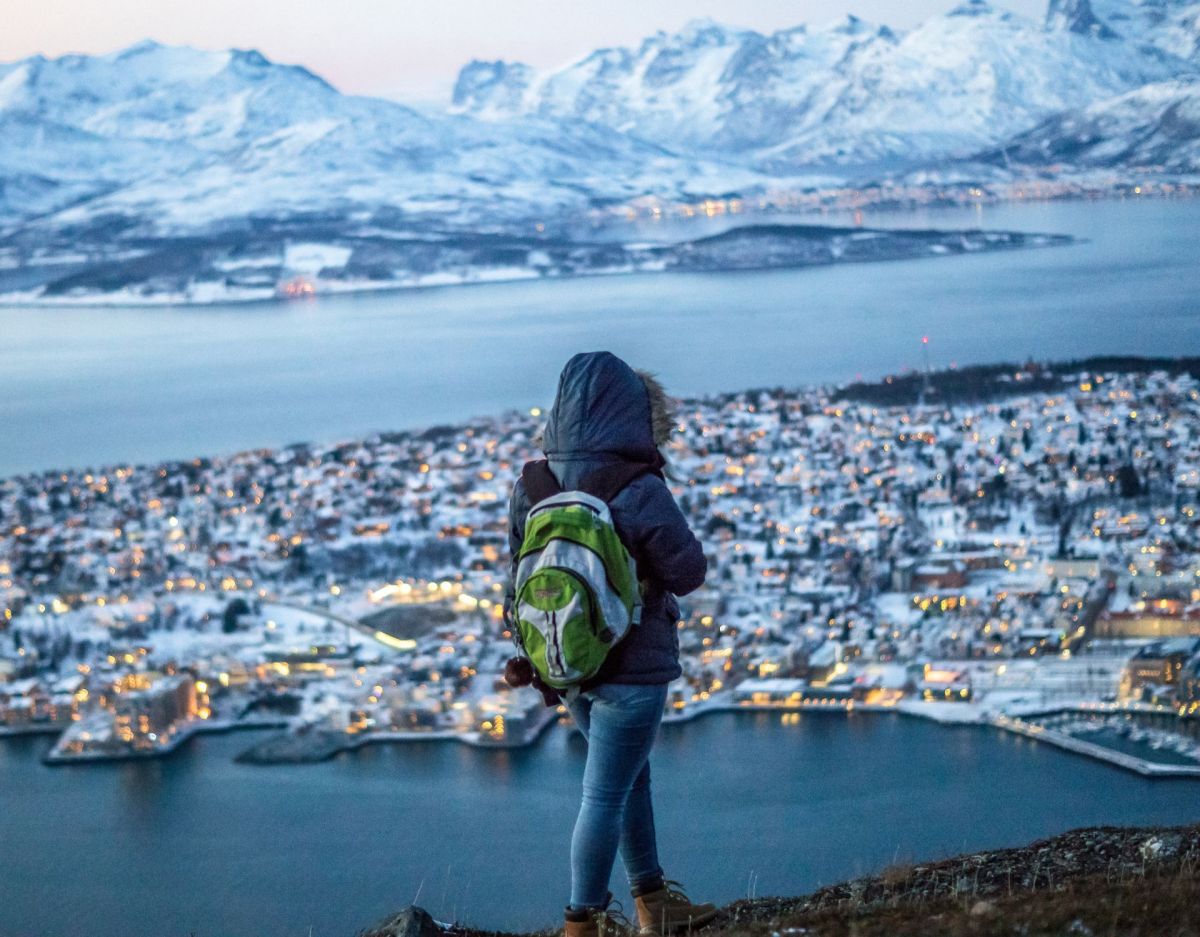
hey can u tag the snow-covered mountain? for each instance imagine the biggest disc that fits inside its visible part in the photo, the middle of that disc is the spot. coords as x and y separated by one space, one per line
1155 126
176 139
1076 16
172 159
850 93
1173 26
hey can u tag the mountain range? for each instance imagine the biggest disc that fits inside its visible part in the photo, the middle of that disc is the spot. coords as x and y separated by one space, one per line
102 155
853 93
177 139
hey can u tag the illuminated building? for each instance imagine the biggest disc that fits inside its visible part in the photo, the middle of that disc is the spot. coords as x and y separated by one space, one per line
1160 618
1157 665
144 719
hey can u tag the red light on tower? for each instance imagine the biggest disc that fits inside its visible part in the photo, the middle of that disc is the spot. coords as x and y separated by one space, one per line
925 384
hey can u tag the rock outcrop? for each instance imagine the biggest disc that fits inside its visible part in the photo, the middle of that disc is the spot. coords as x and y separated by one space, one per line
1119 882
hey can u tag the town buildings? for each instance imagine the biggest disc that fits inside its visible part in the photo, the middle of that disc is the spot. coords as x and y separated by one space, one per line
972 555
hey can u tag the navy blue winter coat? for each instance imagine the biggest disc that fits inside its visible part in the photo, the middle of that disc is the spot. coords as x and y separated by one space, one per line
602 413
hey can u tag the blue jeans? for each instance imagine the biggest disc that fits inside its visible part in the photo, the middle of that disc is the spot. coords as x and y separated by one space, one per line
619 722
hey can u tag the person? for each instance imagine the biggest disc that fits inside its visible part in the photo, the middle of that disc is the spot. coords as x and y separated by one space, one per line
604 413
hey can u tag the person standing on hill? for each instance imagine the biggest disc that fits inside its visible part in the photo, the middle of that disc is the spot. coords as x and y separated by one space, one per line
607 424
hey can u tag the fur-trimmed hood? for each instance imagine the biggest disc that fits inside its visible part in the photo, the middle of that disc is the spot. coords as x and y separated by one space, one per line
604 409
662 408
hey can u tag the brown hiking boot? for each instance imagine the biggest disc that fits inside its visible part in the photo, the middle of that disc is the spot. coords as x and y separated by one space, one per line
597 922
667 910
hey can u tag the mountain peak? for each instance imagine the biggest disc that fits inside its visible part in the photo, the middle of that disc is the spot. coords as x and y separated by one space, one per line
1076 16
157 61
851 25
502 83
705 30
699 24
973 8
251 57
140 48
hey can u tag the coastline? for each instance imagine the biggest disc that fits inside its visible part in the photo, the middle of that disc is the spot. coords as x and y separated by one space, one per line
323 745
935 713
643 260
1062 740
322 733
815 209
177 740
287 748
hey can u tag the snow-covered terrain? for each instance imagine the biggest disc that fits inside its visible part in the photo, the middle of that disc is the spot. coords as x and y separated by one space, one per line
214 271
176 139
1155 125
1173 26
159 165
851 92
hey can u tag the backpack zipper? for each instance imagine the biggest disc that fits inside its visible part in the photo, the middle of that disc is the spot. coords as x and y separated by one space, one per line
562 664
589 601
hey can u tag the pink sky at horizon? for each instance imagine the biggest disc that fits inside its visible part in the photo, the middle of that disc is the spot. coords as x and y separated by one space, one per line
413 50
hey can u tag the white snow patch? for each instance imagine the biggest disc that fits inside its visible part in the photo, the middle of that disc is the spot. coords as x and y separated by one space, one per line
12 85
311 257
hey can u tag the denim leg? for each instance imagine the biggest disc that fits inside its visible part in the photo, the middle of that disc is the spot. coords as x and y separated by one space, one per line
639 843
619 722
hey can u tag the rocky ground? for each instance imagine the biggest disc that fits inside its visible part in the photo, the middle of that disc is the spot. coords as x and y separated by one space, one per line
1104 882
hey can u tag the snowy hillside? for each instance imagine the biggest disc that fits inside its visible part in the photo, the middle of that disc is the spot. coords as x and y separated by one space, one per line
1156 126
849 93
177 172
174 140
1172 26
217 270
157 141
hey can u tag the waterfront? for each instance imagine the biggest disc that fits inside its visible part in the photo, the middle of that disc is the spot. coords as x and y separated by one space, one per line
243 849
86 386
794 800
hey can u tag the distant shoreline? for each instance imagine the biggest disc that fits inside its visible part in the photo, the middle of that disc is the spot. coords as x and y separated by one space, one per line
468 260
290 285
328 745
955 383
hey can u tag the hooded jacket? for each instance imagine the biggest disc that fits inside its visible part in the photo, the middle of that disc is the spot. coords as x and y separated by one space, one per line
603 412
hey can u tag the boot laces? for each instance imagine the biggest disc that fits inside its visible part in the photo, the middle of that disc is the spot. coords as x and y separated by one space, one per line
612 920
675 892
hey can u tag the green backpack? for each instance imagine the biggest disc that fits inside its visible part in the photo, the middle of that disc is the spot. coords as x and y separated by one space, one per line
576 585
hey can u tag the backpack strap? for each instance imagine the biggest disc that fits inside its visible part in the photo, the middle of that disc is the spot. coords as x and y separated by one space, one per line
604 482
608 480
540 482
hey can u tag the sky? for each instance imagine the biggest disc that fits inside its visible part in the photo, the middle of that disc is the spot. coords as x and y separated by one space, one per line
411 49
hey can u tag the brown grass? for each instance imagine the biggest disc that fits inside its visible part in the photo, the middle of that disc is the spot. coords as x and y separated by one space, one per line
1094 906
1103 882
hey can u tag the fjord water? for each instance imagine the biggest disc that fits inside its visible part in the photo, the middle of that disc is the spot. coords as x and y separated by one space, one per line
196 843
199 844
81 387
